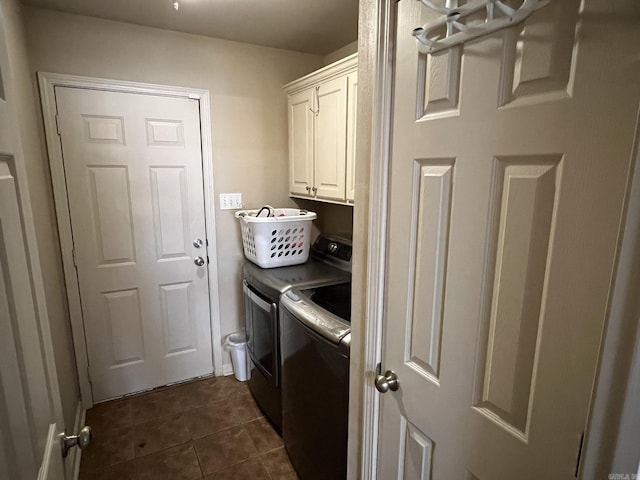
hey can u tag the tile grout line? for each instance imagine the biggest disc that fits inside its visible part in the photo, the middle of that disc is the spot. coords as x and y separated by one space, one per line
197 458
258 455
191 439
180 414
224 429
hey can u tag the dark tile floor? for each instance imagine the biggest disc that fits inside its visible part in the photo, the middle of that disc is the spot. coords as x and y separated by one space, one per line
208 429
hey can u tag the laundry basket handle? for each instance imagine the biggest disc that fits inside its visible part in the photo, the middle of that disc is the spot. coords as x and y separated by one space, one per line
269 210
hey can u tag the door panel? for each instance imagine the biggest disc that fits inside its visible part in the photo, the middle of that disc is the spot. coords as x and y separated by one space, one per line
170 210
432 208
111 200
509 165
300 115
134 180
330 140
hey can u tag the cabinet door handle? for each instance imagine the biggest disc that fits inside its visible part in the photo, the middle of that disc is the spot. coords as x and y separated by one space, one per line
315 189
308 188
317 98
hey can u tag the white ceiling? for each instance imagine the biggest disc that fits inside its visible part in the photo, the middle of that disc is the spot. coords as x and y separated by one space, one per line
312 26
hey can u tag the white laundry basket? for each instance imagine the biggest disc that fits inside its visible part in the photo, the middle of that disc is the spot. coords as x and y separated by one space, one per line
278 240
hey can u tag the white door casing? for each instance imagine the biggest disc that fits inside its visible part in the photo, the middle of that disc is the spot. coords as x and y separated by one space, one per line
509 168
134 181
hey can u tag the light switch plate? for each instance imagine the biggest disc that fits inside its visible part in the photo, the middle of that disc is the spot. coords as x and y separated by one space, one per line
230 201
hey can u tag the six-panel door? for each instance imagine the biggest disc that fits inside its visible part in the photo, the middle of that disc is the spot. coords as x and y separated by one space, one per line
134 180
509 165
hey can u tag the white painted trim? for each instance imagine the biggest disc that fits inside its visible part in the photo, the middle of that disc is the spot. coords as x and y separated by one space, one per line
210 219
376 261
612 442
227 369
47 83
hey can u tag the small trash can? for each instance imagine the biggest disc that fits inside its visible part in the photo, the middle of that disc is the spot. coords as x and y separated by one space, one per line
236 345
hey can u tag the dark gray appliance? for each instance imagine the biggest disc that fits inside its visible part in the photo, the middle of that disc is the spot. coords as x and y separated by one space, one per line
316 335
262 290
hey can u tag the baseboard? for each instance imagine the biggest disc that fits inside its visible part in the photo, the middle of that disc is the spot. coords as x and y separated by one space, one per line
76 454
227 369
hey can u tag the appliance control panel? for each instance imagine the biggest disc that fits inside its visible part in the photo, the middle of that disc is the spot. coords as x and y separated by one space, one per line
333 248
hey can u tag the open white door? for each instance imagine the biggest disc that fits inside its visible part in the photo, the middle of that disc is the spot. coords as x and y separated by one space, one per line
29 401
509 168
31 421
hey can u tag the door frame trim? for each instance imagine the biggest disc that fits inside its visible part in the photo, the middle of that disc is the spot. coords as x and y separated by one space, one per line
610 368
47 83
381 77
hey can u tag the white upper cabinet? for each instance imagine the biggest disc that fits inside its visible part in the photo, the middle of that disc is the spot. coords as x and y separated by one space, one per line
322 116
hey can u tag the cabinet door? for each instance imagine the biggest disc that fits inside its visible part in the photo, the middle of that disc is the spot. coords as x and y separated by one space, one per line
330 140
301 143
352 119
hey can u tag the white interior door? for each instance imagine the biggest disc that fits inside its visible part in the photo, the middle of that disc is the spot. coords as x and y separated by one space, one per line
133 168
30 410
509 166
31 417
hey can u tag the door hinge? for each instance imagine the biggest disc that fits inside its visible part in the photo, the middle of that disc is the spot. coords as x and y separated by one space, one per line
58 129
89 374
207 259
75 258
579 459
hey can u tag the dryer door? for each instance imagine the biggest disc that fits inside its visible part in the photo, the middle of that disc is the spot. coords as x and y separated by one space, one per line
262 332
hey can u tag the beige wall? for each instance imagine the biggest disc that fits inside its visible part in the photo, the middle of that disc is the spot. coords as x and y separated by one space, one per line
332 218
40 194
248 108
342 52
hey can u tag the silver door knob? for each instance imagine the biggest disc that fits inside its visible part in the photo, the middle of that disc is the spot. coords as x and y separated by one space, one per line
197 243
82 440
199 261
388 381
